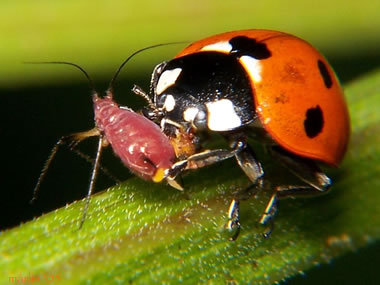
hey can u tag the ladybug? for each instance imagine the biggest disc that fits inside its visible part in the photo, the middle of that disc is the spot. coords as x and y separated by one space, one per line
266 85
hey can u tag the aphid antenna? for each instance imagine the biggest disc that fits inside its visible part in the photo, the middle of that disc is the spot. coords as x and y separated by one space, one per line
71 140
109 91
74 139
90 82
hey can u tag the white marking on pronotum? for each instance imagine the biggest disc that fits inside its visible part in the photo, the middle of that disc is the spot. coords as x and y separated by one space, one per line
222 116
190 113
167 79
252 66
219 46
169 103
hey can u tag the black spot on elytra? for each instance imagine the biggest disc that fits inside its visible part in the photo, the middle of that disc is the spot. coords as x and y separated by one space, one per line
246 46
313 123
324 73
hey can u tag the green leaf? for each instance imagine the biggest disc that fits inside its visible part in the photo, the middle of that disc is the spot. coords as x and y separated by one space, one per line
141 232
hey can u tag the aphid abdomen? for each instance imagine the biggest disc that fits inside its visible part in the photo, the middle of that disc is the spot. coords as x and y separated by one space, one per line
139 142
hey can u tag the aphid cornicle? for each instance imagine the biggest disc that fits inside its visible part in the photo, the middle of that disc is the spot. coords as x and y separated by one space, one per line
261 84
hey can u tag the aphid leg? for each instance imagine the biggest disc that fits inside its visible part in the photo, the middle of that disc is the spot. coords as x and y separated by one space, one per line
92 161
92 179
72 141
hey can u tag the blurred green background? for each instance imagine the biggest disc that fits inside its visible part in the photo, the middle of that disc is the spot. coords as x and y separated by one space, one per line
40 103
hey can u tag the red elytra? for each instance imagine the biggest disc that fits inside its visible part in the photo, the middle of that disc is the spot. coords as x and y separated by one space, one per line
290 84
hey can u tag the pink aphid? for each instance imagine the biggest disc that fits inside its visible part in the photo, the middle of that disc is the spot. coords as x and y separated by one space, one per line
139 142
136 140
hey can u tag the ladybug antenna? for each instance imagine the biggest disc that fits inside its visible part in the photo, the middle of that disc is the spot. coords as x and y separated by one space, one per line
110 87
90 82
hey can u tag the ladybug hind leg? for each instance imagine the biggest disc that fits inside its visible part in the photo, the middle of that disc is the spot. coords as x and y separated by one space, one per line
306 170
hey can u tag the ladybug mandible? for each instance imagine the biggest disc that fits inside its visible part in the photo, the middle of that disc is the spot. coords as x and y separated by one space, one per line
266 85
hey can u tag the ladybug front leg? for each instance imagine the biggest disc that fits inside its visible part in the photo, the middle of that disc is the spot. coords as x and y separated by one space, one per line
202 159
196 161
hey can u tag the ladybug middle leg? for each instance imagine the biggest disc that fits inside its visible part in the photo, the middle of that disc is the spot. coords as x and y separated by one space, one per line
316 181
247 161
306 170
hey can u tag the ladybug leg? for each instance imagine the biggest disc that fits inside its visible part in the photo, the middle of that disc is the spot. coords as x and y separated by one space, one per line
233 224
317 183
196 161
247 161
233 218
200 160
252 168
306 170
269 213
